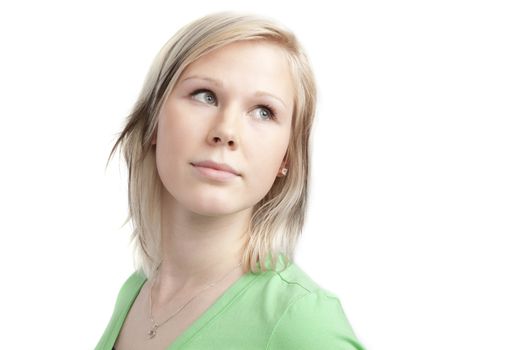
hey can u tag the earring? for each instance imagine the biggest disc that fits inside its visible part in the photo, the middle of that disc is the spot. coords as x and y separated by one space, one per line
284 171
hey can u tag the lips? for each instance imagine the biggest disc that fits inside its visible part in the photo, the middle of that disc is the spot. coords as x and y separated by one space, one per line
217 166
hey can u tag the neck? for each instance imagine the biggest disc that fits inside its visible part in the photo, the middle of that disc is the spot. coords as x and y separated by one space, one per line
198 250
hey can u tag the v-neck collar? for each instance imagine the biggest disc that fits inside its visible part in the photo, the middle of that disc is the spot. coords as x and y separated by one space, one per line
226 298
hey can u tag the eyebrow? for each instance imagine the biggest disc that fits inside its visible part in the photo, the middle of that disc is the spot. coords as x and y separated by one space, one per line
221 85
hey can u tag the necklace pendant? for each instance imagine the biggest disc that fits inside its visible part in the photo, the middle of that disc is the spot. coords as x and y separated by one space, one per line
153 331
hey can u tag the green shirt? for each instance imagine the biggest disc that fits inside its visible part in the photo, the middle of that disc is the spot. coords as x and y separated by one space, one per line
269 310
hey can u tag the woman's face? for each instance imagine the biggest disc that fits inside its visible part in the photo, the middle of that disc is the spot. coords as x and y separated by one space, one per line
233 106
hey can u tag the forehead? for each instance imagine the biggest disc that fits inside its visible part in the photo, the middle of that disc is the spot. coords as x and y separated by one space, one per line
245 50
247 65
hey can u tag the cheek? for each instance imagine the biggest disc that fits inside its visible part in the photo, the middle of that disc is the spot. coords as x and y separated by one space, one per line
175 129
266 162
267 156
173 141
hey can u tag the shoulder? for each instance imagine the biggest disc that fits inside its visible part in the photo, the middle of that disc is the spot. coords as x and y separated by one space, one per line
311 317
126 294
129 288
288 282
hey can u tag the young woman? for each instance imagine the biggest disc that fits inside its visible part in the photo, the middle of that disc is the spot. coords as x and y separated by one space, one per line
217 148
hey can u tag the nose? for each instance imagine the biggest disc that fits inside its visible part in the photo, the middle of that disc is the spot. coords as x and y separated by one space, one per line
224 130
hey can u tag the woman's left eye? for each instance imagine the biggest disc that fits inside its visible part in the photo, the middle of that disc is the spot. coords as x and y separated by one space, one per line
266 112
207 96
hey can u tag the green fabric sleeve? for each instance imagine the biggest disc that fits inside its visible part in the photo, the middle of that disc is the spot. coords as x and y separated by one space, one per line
314 321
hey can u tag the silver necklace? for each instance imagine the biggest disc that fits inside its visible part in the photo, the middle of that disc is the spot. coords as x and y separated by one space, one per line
153 331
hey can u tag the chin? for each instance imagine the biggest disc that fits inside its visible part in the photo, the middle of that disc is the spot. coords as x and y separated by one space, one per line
210 207
211 212
206 201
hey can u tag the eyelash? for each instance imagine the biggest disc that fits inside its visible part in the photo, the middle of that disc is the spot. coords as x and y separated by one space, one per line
271 111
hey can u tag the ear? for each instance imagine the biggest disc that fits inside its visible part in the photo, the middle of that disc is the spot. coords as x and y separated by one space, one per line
283 165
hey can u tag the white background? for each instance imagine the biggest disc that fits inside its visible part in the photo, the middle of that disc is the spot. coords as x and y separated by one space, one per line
416 217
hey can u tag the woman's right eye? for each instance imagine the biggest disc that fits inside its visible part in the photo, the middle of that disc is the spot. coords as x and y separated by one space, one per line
205 96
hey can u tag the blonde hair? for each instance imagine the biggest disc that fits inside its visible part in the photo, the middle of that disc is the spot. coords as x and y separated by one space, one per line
277 219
